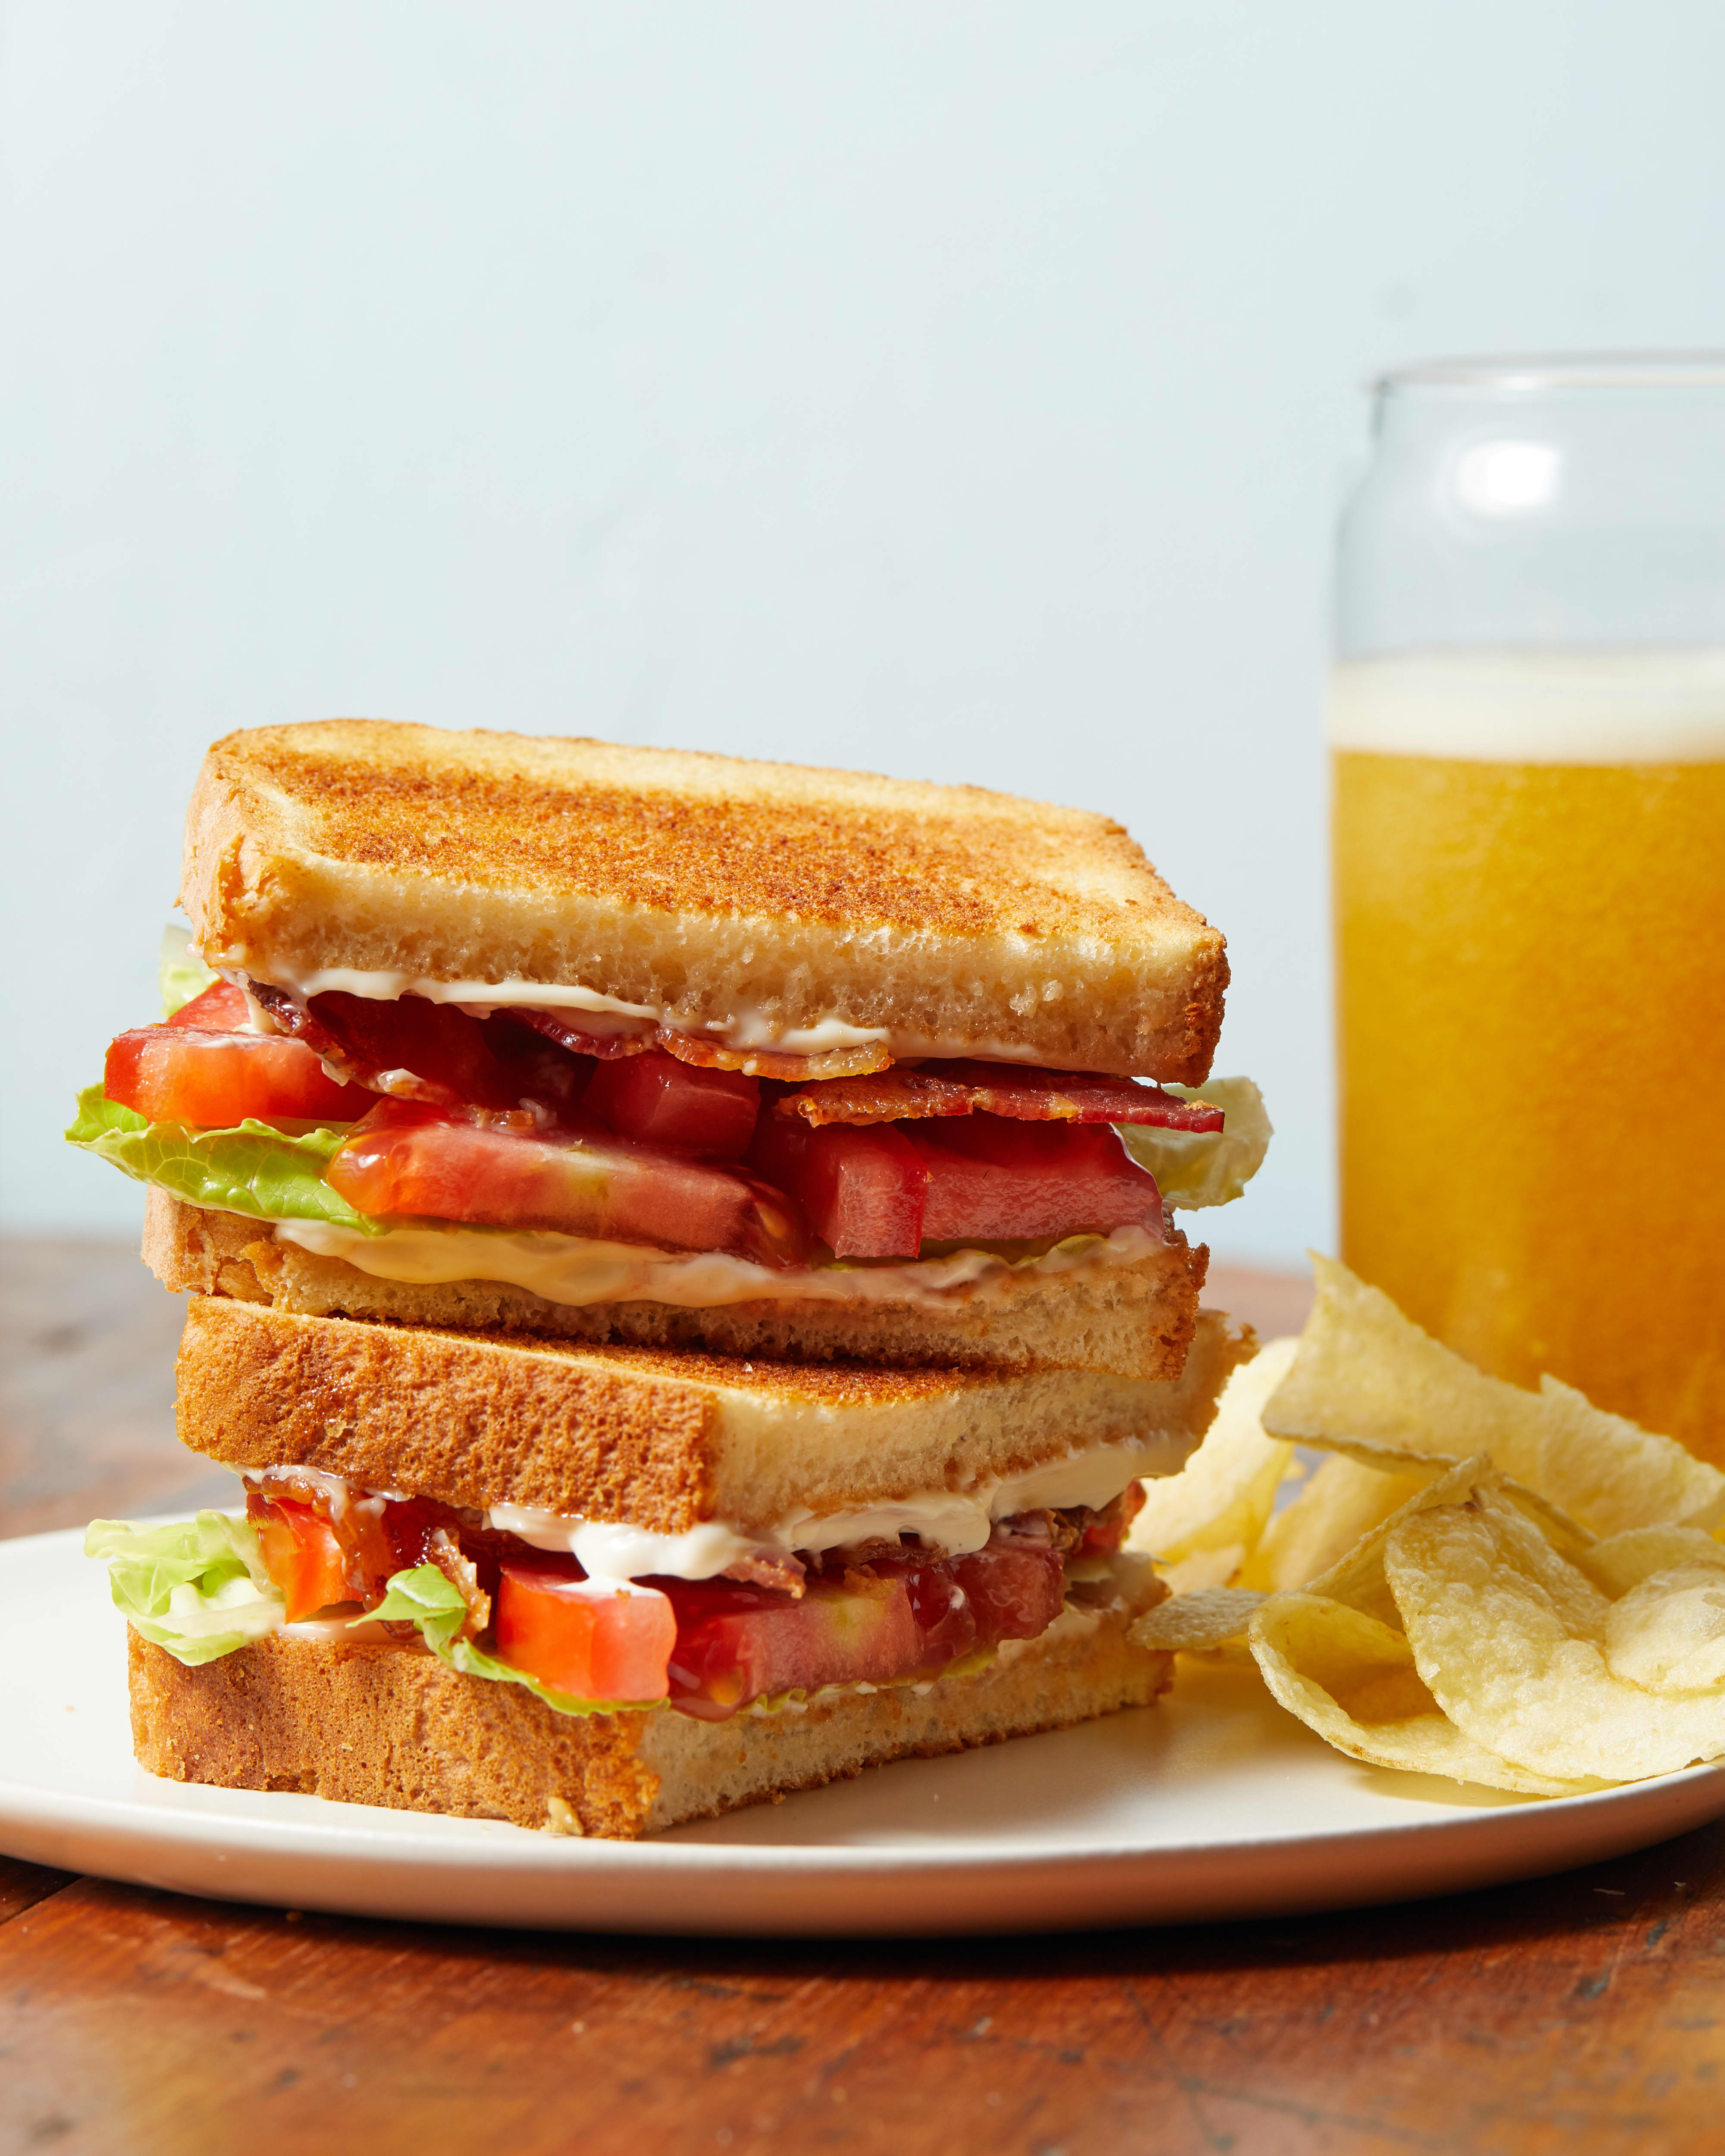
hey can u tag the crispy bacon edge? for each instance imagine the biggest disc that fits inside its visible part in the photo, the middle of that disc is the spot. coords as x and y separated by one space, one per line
290 1014
1027 1095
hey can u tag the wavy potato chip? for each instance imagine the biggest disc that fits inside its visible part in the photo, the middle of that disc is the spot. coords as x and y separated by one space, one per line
1667 1633
1352 1679
1515 1643
1621 1562
1187 1623
1337 1655
1201 1524
1366 1379
1357 1578
1343 1500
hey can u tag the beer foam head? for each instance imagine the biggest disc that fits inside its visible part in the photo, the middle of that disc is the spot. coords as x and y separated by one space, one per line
1572 705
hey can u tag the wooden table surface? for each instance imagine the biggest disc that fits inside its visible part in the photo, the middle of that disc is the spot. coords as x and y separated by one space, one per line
1583 2013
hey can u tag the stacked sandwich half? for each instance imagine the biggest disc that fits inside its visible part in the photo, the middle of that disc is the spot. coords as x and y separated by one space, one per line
680 1257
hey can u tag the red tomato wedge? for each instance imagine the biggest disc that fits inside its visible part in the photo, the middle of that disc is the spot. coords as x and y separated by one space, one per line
906 1615
199 1068
663 1102
736 1643
218 1008
861 1191
302 1554
993 1180
960 1088
1014 1591
587 1637
883 1190
408 1160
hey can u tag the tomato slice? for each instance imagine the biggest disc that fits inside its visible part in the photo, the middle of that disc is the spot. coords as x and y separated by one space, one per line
218 1008
861 1190
907 1613
181 1073
655 1098
409 1160
735 1643
992 1179
300 1554
864 1191
587 1637
1014 1590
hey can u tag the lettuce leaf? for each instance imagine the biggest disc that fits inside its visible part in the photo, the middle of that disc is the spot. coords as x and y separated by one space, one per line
178 975
268 1173
428 1598
198 1588
1198 1168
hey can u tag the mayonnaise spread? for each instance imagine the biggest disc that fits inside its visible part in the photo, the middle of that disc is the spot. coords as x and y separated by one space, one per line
959 1520
747 1027
571 1269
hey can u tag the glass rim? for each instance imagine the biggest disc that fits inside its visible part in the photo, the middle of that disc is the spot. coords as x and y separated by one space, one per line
1596 370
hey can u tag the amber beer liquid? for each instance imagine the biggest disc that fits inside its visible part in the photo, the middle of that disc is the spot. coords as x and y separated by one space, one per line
1529 893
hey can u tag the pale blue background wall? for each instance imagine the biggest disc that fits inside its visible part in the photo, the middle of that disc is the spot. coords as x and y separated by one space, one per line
964 391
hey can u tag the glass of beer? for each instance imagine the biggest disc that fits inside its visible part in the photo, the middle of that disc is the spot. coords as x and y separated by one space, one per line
1526 728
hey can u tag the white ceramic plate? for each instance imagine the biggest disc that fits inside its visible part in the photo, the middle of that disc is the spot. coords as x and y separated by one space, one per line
1215 1804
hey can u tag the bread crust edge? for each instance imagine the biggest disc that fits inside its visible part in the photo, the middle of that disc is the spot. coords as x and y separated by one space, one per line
1132 1321
396 1728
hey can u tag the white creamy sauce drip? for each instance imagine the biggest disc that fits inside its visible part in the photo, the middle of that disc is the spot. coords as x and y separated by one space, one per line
959 1520
615 1552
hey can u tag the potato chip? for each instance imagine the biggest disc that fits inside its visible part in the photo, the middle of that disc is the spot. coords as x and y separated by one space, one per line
1352 1679
1623 1561
1512 1642
1357 1578
1667 1633
1202 1524
1205 1568
1343 1500
1187 1623
1368 1380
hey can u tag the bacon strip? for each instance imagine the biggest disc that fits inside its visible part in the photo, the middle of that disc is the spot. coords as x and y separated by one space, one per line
834 1063
961 1088
586 1040
705 1052
410 1049
415 1049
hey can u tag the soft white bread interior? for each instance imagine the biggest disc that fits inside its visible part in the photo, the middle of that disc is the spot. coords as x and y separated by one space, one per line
708 888
389 1725
660 1440
1135 1320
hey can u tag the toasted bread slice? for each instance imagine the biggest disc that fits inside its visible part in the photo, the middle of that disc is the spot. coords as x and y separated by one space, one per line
758 903
388 1725
662 1441
1134 1320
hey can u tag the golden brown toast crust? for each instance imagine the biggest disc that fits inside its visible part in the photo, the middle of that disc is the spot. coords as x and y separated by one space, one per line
386 1725
659 1440
1134 1320
703 885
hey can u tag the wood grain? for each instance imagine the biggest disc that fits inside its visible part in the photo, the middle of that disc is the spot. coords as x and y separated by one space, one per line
21 1886
87 1342
1584 2015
